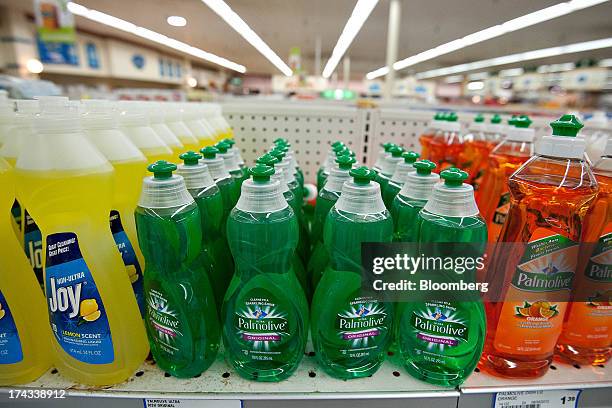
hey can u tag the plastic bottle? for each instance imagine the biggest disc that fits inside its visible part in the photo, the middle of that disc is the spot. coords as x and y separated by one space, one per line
411 199
7 115
475 154
134 123
66 184
100 126
587 331
440 341
428 135
325 201
341 313
495 130
13 144
447 143
202 187
25 341
382 153
236 151
181 317
299 174
390 162
550 195
223 180
173 117
265 312
323 171
231 164
597 131
155 112
504 160
402 170
192 119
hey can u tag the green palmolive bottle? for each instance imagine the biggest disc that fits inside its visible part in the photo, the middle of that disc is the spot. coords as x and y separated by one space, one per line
410 201
341 312
298 266
284 163
265 311
325 201
382 153
299 174
239 159
231 164
398 179
390 162
218 260
223 180
323 172
441 340
181 316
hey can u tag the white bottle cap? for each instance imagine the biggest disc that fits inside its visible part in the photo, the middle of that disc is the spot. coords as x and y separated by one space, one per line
163 189
563 143
259 194
452 198
419 184
194 171
361 195
216 164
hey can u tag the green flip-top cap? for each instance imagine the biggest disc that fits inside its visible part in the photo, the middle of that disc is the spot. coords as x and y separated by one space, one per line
396 151
362 175
452 117
522 121
410 157
496 119
453 177
209 152
267 159
345 162
337 143
190 158
479 118
438 116
338 147
388 146
162 169
281 140
512 120
424 167
566 125
278 153
261 173
230 142
223 147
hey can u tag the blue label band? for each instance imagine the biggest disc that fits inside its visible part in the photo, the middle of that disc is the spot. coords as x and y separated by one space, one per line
10 345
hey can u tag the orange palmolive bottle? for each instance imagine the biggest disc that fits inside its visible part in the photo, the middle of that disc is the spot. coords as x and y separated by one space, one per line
504 160
477 146
587 332
427 136
447 143
533 267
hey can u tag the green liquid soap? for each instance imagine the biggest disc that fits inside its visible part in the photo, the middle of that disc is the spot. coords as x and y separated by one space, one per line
402 170
181 316
325 201
265 312
410 201
223 180
340 311
427 348
218 260
323 171
388 165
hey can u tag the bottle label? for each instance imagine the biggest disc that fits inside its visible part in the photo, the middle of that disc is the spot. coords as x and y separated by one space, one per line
10 345
163 321
589 323
130 260
543 280
261 325
32 243
436 326
76 311
363 326
16 214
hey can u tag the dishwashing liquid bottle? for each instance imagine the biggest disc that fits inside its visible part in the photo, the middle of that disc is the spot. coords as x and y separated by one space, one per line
402 170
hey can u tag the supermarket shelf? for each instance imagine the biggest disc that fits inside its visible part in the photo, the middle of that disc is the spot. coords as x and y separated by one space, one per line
560 376
220 382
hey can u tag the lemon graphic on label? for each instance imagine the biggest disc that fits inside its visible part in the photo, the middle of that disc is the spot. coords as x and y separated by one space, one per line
90 310
2 312
132 273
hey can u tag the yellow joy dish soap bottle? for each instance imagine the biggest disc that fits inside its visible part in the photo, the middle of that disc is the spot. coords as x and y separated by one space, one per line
66 184
24 334
173 112
99 121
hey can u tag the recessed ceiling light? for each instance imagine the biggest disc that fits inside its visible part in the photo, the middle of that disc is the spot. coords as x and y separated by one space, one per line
177 21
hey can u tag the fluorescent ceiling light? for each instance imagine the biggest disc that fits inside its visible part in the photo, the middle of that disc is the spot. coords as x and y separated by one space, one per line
142 32
475 86
378 73
568 66
360 14
511 72
226 13
518 23
516 58
176 21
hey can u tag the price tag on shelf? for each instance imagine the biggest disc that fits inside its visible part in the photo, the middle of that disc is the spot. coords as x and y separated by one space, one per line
186 403
537 399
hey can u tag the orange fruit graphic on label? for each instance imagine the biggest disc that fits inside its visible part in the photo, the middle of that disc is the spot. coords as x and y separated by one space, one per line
536 307
524 311
547 312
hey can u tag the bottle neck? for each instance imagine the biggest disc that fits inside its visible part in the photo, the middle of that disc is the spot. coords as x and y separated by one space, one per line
165 193
449 201
419 187
261 197
360 199
336 180
402 171
216 167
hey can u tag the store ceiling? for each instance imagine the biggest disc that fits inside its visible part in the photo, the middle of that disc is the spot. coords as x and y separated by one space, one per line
287 23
